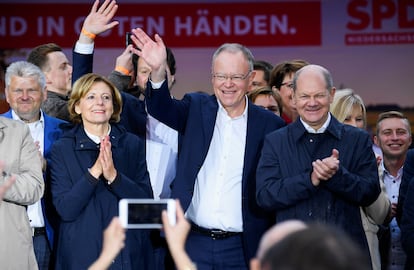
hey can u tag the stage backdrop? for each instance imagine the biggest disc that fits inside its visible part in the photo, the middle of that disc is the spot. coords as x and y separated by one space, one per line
367 45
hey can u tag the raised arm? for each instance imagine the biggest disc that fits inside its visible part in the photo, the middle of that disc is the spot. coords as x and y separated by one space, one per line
98 20
153 52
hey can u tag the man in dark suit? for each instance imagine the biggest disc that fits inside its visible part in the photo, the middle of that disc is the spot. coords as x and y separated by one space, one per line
317 169
407 176
405 209
222 136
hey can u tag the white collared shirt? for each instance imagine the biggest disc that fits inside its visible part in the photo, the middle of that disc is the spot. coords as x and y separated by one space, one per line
84 48
392 187
37 131
161 156
217 202
161 153
94 138
321 129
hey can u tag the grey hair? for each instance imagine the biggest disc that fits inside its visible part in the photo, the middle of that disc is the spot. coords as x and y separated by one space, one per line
25 69
326 74
234 48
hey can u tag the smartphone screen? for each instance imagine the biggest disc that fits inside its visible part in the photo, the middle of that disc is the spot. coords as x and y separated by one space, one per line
135 213
128 39
145 213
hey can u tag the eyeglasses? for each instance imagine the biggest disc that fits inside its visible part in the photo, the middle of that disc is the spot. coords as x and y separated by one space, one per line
234 78
288 84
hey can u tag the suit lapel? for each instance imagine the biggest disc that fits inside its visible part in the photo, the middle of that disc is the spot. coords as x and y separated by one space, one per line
47 132
209 114
254 127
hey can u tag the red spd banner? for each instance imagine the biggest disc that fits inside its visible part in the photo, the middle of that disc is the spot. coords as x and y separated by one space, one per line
180 25
380 22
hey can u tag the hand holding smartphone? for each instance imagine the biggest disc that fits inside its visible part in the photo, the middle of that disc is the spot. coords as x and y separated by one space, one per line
128 39
145 213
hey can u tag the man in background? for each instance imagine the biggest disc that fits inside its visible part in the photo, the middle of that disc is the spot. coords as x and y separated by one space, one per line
25 92
262 74
58 72
393 136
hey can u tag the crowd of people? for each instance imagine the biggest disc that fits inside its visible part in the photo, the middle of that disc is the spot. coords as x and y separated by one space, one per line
274 170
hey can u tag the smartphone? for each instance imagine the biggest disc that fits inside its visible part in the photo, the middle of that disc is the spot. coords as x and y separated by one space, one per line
145 213
128 39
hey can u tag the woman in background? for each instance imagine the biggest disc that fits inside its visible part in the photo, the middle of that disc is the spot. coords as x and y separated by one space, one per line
267 98
349 108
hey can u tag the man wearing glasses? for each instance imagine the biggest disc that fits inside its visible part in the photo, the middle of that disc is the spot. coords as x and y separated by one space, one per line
222 137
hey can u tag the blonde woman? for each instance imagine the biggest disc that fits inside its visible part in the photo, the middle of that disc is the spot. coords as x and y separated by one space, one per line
349 108
94 164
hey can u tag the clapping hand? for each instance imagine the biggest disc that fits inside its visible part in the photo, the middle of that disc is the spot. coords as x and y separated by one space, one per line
104 164
326 168
105 158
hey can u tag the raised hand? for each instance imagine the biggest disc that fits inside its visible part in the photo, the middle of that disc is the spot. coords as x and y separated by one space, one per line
152 51
125 60
99 19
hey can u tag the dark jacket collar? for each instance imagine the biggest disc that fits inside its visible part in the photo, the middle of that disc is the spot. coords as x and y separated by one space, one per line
335 128
83 142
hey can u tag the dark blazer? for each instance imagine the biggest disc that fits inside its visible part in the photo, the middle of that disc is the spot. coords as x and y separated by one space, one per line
406 209
133 115
51 133
283 176
86 205
194 118
407 177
